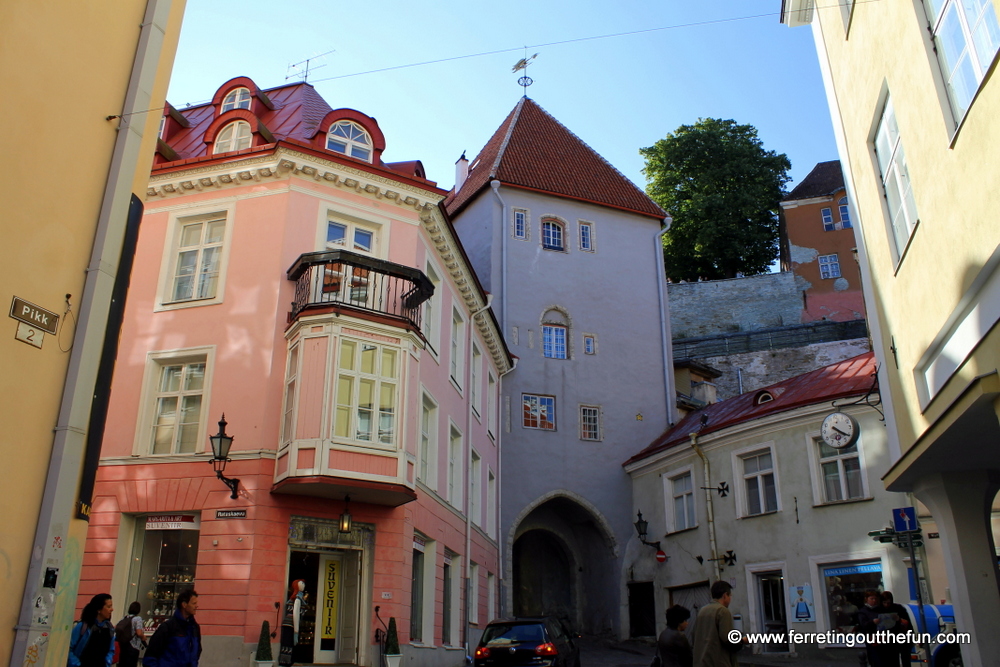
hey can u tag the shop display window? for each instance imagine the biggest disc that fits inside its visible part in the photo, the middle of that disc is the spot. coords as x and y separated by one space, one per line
164 563
845 585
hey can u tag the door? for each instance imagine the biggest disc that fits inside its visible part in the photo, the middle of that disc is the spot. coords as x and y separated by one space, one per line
347 649
328 608
641 610
771 608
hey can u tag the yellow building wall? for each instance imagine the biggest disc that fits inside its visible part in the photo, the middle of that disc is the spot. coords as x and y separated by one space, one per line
954 176
67 67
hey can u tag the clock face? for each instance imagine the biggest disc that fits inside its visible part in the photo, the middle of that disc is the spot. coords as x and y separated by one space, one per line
839 430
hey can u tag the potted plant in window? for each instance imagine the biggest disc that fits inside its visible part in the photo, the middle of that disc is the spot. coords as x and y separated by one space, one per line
263 657
392 654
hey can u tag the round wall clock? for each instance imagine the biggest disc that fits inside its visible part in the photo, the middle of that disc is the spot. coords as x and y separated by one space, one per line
839 430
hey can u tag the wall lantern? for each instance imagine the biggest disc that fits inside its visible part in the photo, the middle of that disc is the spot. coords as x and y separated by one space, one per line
640 527
345 518
220 456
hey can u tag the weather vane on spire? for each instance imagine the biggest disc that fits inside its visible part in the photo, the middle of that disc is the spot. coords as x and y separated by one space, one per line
522 64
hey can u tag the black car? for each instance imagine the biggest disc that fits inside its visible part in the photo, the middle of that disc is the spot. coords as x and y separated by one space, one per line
534 642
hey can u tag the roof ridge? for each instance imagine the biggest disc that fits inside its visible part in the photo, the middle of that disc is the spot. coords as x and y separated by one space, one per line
506 139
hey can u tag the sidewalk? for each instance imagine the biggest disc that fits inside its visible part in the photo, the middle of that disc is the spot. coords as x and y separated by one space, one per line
606 652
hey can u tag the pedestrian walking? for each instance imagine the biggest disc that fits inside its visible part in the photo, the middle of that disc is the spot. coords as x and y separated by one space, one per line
896 654
713 630
92 642
130 636
672 646
177 642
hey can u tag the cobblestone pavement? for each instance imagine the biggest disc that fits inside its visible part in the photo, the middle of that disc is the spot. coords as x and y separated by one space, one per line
604 652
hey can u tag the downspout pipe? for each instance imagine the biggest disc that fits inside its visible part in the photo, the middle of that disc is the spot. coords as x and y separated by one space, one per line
708 505
501 579
495 184
665 333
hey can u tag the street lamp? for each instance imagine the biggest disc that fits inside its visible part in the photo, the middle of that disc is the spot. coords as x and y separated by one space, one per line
345 518
640 527
220 456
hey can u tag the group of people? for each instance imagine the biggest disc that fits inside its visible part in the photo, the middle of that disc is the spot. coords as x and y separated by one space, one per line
176 642
882 614
713 634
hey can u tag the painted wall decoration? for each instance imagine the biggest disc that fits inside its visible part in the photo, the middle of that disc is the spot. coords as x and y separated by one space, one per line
801 596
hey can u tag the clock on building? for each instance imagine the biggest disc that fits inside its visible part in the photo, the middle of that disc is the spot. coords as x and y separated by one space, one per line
839 430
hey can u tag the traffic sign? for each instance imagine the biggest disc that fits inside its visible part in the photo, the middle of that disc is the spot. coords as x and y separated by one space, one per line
660 556
904 519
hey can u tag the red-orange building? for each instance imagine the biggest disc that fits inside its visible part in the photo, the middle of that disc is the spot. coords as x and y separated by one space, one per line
820 246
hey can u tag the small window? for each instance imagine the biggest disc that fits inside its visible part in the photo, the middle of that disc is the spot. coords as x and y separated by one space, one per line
840 470
234 137
341 235
845 213
238 98
589 344
682 500
829 266
763 397
428 441
590 422
539 411
758 480
350 139
827 220
552 235
291 375
520 224
455 461
457 347
895 179
587 236
475 374
554 342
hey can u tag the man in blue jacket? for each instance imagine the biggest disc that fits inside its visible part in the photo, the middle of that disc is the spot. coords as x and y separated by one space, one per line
177 642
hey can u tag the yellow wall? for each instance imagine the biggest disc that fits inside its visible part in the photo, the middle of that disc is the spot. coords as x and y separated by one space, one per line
67 66
954 178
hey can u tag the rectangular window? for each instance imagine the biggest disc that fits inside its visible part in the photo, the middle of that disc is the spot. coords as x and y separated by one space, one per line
367 379
590 422
455 468
840 471
432 313
491 504
474 375
758 479
587 236
845 214
682 497
552 235
417 591
554 342
474 593
520 224
178 411
288 423
491 596
457 327
475 474
589 344
491 405
845 585
829 266
828 225
428 442
539 411
196 268
895 179
447 602
967 37
344 236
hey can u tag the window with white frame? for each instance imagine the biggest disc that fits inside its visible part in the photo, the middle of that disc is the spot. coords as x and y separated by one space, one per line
342 235
553 235
554 341
350 139
590 422
491 405
455 468
538 411
680 495
422 588
587 236
845 213
196 266
178 405
449 599
428 441
366 393
895 179
760 488
457 347
967 37
589 344
841 473
238 98
233 137
474 593
475 474
291 377
828 224
829 266
430 320
520 224
491 503
491 597
475 373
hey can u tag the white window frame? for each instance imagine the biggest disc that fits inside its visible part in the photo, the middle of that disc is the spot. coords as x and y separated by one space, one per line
172 250
491 404
902 216
453 561
351 227
475 487
431 318
233 136
589 245
491 503
545 235
844 208
155 361
354 406
456 357
237 98
353 143
669 478
740 479
475 378
428 548
525 396
829 266
520 216
454 488
473 605
550 341
491 596
592 348
827 214
292 364
427 452
813 440
596 411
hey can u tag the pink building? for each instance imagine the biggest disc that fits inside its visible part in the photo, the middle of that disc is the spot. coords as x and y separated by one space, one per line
289 278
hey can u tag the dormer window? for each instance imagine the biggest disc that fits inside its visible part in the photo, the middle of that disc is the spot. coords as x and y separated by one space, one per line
233 137
238 98
763 397
350 139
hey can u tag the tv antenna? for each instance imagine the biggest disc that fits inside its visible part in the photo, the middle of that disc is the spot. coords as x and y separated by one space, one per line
305 66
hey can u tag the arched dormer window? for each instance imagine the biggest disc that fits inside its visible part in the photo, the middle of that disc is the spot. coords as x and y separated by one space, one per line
553 235
238 98
763 397
233 137
350 139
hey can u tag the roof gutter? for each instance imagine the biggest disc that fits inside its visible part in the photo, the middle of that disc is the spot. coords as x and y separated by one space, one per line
665 333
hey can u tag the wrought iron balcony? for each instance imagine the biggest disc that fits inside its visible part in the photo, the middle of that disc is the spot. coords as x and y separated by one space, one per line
340 278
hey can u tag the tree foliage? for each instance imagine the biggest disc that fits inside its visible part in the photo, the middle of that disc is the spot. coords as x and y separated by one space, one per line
722 190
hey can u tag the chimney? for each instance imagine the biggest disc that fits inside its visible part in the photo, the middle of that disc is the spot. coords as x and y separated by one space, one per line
704 391
461 172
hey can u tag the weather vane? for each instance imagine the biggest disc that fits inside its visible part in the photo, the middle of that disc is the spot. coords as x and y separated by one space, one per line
522 64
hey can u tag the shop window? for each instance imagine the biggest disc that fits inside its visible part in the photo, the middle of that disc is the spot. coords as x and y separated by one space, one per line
845 585
164 563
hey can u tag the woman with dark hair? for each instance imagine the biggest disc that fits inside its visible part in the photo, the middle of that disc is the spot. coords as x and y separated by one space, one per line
92 643
134 638
673 647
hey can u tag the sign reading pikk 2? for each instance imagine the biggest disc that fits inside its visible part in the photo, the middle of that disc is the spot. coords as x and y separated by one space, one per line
32 315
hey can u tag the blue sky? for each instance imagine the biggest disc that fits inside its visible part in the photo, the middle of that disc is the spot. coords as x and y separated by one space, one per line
618 94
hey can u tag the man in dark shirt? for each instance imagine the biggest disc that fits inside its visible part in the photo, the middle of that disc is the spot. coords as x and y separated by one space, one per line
177 642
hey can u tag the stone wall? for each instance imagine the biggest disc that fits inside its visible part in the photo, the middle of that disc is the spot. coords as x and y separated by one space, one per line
739 304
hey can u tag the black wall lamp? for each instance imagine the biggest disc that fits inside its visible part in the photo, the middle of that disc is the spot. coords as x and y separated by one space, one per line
641 526
220 456
345 518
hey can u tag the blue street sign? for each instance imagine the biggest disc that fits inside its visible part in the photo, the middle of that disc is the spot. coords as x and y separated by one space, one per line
904 519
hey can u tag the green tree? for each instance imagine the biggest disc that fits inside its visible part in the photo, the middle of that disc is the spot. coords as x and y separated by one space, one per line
722 190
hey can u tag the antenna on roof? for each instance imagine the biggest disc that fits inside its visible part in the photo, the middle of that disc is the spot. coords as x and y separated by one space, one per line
297 68
522 64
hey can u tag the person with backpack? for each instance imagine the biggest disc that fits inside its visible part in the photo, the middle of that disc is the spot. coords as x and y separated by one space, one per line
177 642
92 642
130 636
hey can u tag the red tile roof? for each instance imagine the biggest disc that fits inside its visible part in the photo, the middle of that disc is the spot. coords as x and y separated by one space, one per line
533 150
851 377
825 179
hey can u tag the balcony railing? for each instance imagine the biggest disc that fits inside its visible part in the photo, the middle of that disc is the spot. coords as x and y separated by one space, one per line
344 278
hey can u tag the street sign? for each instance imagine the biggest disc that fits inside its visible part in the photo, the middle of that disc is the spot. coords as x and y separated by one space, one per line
33 315
904 519
661 557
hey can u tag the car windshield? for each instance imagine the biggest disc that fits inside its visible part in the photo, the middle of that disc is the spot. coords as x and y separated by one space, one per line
508 633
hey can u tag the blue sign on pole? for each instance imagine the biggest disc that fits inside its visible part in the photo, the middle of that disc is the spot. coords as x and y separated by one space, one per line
904 519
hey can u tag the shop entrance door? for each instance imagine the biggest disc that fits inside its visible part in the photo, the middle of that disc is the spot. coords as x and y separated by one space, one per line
771 608
328 627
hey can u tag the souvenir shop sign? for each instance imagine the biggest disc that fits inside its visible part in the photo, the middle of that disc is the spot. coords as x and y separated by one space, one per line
173 522
328 635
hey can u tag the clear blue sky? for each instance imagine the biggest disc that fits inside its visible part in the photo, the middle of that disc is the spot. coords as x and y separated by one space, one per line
618 94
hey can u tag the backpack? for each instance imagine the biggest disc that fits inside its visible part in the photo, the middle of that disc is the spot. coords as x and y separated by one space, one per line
123 630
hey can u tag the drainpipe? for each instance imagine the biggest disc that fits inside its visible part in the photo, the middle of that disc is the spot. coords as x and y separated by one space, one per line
708 505
501 579
665 335
495 184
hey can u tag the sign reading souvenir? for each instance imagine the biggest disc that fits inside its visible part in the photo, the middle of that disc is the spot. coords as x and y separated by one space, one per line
328 629
230 514
801 597
172 522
